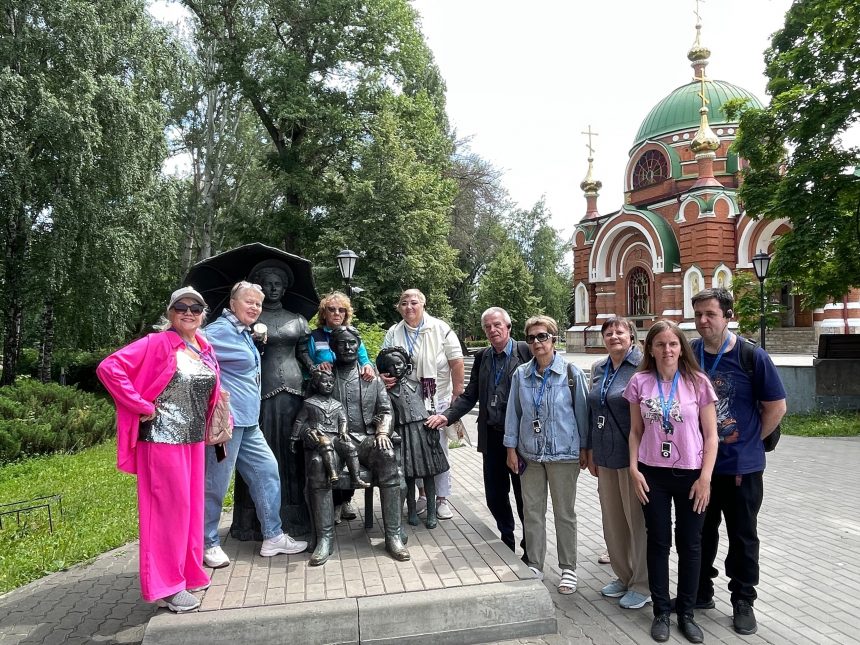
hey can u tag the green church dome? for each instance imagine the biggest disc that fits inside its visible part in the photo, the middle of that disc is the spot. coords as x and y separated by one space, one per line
680 110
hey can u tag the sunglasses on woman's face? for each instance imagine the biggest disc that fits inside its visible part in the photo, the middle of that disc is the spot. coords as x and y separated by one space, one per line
541 337
336 310
181 307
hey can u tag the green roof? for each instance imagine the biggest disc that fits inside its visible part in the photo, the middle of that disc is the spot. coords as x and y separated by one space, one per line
680 110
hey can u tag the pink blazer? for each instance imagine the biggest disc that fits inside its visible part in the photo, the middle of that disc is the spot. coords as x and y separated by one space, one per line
135 375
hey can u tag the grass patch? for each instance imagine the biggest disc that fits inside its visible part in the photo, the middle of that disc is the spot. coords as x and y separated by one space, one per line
99 512
822 424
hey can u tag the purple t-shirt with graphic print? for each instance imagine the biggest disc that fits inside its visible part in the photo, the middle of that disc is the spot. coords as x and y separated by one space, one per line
686 440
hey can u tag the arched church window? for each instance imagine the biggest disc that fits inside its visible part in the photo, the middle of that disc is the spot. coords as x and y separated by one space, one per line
639 286
650 169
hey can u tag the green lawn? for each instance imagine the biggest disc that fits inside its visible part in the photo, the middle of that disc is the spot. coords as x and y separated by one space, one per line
823 424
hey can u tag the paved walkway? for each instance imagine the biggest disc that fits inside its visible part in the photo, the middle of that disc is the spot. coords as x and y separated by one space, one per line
810 528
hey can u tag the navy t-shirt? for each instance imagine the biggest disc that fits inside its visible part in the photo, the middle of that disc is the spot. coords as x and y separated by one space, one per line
741 449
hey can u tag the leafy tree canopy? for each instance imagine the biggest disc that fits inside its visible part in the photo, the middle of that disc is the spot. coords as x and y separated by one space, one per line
800 167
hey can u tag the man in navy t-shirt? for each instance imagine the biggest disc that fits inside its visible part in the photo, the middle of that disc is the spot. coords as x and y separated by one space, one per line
748 410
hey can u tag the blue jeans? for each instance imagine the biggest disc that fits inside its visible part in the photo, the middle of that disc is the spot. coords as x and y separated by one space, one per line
250 454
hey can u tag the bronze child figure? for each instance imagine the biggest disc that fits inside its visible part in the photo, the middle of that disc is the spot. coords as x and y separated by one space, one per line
326 424
422 455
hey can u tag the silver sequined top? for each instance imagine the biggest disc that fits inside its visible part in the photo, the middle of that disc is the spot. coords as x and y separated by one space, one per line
180 410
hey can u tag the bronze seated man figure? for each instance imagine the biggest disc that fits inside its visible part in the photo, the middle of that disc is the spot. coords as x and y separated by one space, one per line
368 420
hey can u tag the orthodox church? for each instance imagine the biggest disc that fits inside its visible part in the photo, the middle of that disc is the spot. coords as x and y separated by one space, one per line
681 228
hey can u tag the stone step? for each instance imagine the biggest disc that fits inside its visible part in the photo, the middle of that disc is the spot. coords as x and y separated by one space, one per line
792 340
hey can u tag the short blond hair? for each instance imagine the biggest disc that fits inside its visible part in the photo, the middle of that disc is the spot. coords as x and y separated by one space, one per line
330 299
412 292
548 322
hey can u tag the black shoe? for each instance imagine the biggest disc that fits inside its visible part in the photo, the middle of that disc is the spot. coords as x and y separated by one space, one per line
743 618
660 628
700 604
691 631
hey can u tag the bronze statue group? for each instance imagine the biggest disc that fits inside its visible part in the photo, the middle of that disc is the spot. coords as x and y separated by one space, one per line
670 424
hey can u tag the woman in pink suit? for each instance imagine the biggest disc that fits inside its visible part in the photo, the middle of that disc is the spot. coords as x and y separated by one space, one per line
165 387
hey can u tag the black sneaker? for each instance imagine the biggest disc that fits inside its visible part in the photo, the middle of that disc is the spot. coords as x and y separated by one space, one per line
743 618
691 631
707 603
660 628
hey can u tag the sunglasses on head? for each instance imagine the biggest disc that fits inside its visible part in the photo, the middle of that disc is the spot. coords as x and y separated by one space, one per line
336 310
195 309
541 337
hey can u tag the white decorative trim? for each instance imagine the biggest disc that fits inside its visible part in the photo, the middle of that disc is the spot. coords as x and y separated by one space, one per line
599 260
606 293
687 326
671 286
693 271
578 328
840 322
763 231
672 312
580 304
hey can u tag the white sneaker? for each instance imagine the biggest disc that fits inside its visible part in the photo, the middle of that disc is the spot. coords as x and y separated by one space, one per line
180 602
282 544
537 573
443 511
421 505
215 557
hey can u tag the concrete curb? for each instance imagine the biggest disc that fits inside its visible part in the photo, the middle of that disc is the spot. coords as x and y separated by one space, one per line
474 614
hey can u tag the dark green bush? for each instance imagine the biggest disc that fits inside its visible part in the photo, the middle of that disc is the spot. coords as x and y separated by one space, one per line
79 367
39 418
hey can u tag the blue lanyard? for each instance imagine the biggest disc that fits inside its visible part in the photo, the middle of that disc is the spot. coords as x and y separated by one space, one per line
722 351
500 371
609 378
666 404
537 400
412 340
206 357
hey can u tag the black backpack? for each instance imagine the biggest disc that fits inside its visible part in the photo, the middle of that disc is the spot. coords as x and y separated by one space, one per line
747 361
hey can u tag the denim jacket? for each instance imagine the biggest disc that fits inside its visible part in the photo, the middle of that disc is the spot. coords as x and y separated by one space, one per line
563 422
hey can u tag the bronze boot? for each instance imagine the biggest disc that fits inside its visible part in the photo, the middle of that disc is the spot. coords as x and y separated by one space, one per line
391 506
322 508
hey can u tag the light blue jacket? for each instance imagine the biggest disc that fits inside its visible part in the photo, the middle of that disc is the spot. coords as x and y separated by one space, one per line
563 421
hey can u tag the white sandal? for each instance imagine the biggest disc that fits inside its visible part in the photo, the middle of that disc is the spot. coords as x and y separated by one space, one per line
567 584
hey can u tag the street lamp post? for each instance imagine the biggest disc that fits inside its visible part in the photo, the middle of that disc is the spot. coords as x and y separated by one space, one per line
761 263
346 260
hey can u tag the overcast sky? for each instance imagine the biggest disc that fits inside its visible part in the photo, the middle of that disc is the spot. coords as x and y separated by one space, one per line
526 78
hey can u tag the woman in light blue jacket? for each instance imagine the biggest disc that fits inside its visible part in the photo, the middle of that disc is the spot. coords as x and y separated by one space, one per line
545 425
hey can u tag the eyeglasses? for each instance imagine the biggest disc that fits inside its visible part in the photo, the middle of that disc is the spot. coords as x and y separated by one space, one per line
244 285
541 337
336 310
181 308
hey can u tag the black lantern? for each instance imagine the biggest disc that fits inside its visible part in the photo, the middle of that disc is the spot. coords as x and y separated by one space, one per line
761 264
346 260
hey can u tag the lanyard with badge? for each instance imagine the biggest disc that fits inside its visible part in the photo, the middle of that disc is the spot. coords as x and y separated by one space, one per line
246 335
666 403
609 375
537 400
412 338
499 372
722 351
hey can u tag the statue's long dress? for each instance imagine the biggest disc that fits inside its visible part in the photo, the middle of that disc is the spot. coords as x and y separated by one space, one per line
282 399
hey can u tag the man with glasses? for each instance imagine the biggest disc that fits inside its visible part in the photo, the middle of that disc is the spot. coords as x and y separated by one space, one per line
489 386
248 451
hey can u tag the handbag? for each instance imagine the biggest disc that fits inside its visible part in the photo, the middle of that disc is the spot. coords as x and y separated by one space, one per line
220 428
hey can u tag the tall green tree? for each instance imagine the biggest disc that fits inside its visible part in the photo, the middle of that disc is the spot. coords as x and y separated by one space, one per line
800 168
396 213
314 74
84 86
544 252
507 283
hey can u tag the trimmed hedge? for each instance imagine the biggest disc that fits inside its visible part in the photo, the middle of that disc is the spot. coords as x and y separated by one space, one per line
40 418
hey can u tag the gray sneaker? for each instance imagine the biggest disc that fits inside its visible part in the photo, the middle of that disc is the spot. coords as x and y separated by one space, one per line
614 589
634 600
180 602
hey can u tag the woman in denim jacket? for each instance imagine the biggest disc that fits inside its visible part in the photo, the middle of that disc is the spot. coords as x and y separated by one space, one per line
545 425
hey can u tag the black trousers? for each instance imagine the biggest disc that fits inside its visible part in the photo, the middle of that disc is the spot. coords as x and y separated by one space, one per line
498 480
737 498
670 486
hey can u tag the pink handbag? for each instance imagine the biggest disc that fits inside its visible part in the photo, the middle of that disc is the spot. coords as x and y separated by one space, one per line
220 428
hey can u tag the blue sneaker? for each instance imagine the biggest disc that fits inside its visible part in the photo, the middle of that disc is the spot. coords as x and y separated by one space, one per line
634 600
614 589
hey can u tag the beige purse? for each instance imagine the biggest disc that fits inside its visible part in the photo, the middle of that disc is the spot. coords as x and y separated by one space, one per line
220 428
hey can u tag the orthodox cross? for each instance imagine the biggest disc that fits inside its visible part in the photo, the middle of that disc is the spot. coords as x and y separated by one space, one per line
701 93
698 15
590 134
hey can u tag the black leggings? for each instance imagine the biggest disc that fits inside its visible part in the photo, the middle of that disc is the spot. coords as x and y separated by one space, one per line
669 485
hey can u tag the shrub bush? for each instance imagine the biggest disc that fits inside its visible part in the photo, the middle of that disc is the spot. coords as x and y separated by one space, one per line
79 367
39 418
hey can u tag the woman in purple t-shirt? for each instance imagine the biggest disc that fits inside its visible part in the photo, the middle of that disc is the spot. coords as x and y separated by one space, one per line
673 446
